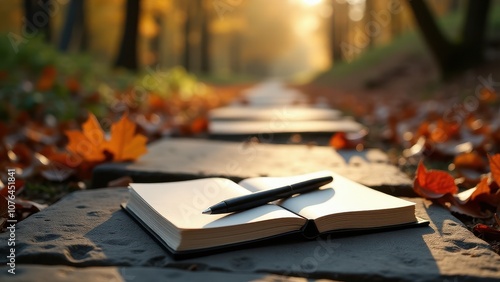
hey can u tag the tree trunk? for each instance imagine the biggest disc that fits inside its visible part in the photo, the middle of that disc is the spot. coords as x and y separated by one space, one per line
439 45
38 17
127 56
186 60
204 40
453 58
474 30
156 41
74 29
235 52
368 18
338 28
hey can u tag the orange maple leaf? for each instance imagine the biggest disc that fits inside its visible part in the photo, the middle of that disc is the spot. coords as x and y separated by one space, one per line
433 184
88 143
124 144
495 167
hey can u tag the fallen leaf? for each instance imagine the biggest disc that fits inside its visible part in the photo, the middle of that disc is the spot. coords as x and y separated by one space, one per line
481 189
125 144
47 79
338 141
471 208
495 167
156 103
199 125
471 166
433 184
21 155
61 157
486 233
488 95
88 143
4 209
56 172
343 140
40 133
73 85
18 188
472 202
469 160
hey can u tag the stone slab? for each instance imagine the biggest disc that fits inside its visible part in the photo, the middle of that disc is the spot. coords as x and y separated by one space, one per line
270 108
272 93
182 159
269 127
116 274
283 113
89 229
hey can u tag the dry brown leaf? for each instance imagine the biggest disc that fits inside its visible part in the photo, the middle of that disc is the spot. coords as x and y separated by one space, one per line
495 167
433 184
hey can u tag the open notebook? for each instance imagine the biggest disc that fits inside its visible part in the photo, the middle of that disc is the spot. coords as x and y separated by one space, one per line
172 211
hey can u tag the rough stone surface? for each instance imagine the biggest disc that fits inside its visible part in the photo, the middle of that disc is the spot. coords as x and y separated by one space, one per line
181 159
117 274
269 127
88 229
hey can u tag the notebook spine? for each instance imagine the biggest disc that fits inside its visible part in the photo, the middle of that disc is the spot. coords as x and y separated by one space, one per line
310 230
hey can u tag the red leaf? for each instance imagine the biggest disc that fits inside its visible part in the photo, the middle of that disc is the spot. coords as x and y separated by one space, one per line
199 125
338 141
349 140
481 189
433 184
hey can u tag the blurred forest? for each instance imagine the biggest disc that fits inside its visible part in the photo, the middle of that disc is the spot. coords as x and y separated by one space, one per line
258 38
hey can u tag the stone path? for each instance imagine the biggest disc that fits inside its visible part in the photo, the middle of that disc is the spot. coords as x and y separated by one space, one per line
272 109
87 234
182 159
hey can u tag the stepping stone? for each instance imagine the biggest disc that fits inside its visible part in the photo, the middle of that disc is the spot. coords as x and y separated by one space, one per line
271 127
182 159
283 113
272 93
272 110
89 230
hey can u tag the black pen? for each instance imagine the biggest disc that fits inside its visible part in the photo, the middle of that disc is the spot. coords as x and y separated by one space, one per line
263 197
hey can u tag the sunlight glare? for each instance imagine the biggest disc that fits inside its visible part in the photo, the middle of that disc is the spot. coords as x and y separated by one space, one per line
311 2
